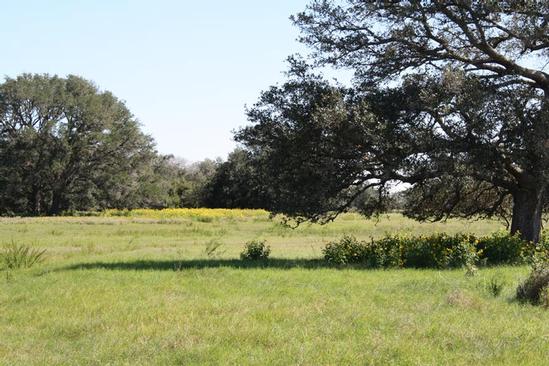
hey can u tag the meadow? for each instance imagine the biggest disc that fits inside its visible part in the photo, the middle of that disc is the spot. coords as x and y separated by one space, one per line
168 287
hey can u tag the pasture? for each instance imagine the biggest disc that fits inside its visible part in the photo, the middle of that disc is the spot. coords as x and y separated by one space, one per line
169 288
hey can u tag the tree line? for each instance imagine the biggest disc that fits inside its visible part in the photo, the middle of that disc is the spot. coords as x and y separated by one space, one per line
65 145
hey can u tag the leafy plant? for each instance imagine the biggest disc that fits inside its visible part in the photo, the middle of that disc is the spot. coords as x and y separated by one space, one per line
255 250
502 248
537 255
438 251
345 251
434 251
16 256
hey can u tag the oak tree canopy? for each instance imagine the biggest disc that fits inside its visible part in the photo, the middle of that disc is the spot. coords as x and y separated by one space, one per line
451 97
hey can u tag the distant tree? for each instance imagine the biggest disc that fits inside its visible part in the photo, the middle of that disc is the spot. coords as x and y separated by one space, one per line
448 96
64 144
236 184
154 186
193 182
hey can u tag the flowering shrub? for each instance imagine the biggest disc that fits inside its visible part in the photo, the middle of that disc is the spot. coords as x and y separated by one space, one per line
347 250
502 248
438 251
433 251
386 252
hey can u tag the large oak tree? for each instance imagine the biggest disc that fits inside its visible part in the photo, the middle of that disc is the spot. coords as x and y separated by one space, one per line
64 144
449 96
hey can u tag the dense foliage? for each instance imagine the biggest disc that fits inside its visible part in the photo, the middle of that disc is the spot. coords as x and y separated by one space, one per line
235 184
433 251
64 144
255 250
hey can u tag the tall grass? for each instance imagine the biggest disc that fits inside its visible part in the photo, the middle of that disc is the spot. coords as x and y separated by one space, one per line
154 291
15 256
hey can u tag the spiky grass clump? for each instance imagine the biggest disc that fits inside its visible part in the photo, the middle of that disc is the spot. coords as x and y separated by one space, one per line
15 256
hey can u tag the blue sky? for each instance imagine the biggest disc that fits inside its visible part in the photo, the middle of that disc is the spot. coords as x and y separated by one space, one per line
185 68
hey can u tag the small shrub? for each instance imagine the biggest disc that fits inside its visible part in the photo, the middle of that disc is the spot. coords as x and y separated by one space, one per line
439 251
423 252
535 289
345 251
14 256
255 250
538 255
463 253
386 252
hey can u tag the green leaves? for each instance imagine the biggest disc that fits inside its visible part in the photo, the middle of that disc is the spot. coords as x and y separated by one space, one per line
441 100
64 144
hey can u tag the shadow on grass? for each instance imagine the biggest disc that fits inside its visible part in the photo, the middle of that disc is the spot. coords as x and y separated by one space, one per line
177 265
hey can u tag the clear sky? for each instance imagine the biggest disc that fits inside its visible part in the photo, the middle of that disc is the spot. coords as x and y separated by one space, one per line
185 68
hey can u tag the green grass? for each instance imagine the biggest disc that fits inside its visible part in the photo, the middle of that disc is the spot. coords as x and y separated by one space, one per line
143 291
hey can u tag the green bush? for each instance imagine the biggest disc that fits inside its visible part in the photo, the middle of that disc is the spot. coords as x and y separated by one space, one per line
464 253
386 252
438 251
345 251
435 251
502 248
255 250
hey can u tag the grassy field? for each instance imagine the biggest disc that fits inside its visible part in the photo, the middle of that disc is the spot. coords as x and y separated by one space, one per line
141 290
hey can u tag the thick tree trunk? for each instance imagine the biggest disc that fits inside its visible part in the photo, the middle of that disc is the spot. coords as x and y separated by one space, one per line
527 213
35 201
55 208
58 199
